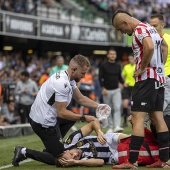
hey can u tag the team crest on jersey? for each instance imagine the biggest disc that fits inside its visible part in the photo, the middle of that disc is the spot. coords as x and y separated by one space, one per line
68 141
92 148
58 75
80 143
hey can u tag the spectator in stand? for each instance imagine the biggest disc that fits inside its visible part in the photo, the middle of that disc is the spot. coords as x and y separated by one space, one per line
44 76
8 111
59 65
110 77
27 90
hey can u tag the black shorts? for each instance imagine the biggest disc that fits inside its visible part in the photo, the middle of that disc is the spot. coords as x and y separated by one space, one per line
126 92
147 96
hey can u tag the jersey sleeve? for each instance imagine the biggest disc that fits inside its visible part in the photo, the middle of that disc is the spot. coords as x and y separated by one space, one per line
62 90
73 84
141 33
73 139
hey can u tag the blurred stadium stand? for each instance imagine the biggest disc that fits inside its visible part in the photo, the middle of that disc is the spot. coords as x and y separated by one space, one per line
93 11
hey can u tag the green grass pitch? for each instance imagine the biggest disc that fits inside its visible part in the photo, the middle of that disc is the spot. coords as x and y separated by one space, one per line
33 142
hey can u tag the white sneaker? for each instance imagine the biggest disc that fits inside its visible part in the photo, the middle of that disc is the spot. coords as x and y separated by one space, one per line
73 128
118 129
109 130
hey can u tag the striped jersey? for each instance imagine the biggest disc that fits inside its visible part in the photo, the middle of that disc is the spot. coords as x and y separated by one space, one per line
91 148
57 88
155 68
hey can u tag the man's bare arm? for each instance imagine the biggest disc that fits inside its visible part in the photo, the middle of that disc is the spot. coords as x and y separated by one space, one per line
83 100
68 115
89 162
94 125
148 50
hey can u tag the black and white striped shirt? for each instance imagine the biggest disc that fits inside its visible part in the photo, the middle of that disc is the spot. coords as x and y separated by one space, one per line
92 148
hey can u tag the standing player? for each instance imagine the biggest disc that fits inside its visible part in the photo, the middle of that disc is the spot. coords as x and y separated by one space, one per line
148 92
127 74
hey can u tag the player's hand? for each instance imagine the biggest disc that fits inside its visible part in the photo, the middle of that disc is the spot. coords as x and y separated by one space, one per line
67 162
139 72
125 85
101 138
90 118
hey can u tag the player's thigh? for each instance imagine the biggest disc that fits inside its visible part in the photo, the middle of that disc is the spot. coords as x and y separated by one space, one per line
52 142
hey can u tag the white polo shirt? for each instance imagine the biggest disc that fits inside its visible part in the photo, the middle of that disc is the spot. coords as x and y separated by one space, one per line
57 88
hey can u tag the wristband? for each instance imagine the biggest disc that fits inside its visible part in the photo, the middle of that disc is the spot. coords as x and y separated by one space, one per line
82 118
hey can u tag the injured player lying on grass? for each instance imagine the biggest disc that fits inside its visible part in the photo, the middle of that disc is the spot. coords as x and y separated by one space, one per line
85 150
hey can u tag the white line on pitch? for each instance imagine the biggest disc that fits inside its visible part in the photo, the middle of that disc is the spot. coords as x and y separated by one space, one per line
10 165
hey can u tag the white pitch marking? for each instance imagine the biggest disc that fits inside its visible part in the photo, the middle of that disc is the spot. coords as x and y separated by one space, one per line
10 165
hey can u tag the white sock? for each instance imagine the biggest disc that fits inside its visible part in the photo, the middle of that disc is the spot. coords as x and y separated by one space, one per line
23 151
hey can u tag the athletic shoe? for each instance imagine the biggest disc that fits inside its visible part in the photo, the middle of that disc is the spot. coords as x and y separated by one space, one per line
159 164
110 130
18 156
125 165
118 129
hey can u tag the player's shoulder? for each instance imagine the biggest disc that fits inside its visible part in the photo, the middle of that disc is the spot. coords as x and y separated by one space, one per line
141 27
60 76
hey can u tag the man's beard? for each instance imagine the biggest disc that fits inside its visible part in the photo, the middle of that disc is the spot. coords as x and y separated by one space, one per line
77 80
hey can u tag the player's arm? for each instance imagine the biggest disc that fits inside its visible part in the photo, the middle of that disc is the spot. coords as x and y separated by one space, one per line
148 50
164 51
83 100
94 125
68 115
89 162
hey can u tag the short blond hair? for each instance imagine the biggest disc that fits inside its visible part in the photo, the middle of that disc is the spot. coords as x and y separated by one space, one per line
81 60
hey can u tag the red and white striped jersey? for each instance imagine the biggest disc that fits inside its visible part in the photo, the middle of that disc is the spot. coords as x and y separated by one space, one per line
155 67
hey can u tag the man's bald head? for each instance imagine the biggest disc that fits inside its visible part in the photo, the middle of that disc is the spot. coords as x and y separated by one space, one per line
120 14
124 22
